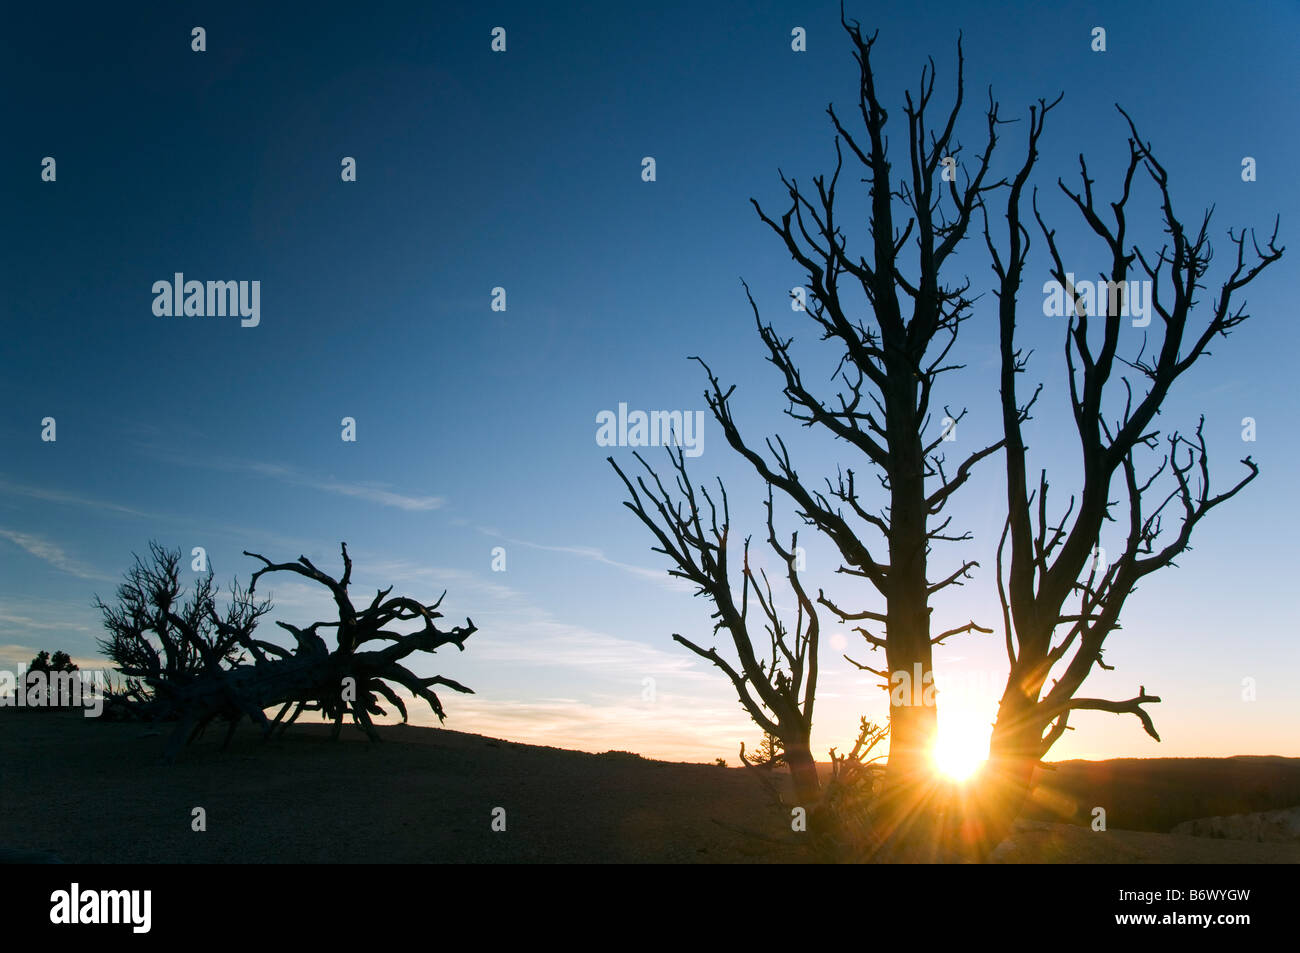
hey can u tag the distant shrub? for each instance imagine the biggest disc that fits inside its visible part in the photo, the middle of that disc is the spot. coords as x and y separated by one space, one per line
621 755
61 662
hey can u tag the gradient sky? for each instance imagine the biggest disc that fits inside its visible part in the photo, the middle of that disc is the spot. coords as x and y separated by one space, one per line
477 428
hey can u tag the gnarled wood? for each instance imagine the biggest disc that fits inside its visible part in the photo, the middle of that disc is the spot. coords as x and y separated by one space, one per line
208 665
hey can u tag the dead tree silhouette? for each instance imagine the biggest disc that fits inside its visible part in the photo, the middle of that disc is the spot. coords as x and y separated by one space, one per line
1059 601
889 362
185 661
890 356
775 677
777 682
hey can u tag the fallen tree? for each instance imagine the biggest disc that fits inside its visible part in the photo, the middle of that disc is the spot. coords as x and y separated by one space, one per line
185 661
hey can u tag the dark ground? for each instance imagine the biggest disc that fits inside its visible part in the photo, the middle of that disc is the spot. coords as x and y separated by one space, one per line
94 792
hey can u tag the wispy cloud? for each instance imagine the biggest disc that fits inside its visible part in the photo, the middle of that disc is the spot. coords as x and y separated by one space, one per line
380 493
372 492
11 621
659 576
437 578
51 553
548 642
223 527
72 499
50 624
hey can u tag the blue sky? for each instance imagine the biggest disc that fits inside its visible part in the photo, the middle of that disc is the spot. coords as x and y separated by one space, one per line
477 428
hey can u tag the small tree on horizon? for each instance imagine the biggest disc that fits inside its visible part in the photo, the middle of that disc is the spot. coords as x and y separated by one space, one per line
60 662
42 667
769 752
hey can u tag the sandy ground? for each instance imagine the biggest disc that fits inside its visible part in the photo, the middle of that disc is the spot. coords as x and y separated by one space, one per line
95 793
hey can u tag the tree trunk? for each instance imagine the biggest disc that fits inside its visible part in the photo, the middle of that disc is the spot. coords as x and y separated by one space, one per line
906 812
1004 785
803 772
907 815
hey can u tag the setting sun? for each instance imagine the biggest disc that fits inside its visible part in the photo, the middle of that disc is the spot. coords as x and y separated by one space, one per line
960 748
